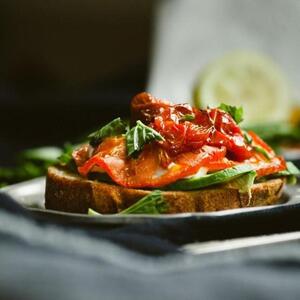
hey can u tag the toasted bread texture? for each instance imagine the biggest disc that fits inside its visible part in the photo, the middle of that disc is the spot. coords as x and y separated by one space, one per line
69 192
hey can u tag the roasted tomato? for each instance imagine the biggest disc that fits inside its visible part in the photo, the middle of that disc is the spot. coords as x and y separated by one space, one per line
193 139
145 107
228 134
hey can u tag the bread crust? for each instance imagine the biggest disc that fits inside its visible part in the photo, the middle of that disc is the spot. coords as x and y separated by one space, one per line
71 193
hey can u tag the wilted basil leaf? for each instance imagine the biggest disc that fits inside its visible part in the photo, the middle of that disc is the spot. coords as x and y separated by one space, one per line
140 135
115 127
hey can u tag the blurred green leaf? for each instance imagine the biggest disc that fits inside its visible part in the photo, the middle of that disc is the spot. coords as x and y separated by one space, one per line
235 112
277 134
31 163
46 154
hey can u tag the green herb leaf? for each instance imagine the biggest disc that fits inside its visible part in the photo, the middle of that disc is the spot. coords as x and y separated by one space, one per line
140 135
235 112
188 117
27 170
113 128
31 163
243 183
291 179
277 134
92 212
291 169
262 151
66 156
247 138
3 184
255 147
151 204
291 173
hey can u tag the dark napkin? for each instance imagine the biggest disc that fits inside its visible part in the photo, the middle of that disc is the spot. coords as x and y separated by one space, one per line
47 260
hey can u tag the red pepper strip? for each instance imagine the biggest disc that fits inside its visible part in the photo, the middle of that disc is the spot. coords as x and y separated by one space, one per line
146 171
267 167
218 165
259 142
263 165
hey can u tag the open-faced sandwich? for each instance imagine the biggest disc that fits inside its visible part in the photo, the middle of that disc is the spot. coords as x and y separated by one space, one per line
169 159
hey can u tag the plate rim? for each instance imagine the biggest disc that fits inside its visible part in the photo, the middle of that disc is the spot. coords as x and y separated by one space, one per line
111 218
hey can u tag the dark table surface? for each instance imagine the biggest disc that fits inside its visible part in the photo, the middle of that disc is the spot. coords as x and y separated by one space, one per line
44 259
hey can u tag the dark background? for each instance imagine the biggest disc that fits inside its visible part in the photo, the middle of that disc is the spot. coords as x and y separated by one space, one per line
68 66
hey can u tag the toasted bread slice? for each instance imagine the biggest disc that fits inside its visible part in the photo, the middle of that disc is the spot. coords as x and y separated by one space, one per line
68 192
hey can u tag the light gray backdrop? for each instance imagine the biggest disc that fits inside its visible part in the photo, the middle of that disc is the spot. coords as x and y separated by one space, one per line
191 33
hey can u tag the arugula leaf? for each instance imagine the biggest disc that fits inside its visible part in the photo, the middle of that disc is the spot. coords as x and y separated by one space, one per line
66 155
291 179
291 173
92 212
188 117
243 183
276 134
153 203
256 148
27 170
235 112
247 137
3 184
140 135
262 151
291 169
115 127
31 163
66 158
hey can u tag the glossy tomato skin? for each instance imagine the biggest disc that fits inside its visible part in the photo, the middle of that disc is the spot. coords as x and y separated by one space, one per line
180 136
193 139
223 122
228 133
212 127
145 107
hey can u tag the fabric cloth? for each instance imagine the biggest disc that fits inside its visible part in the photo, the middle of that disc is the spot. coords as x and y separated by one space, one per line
46 260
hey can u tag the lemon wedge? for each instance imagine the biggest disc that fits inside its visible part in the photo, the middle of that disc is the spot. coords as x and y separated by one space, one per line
245 79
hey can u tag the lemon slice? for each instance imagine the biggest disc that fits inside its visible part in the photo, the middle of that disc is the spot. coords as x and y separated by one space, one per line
249 80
